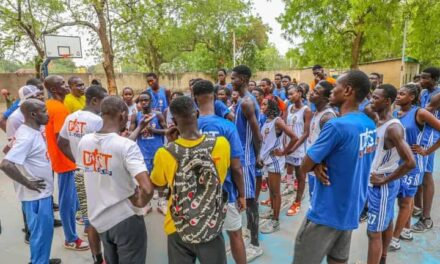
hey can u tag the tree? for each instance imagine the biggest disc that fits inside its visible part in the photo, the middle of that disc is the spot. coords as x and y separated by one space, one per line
331 28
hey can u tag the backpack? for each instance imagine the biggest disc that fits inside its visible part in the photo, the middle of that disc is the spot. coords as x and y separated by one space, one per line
198 202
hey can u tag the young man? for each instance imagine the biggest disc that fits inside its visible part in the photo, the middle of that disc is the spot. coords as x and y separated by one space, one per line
429 99
246 120
324 112
346 147
211 124
150 140
393 159
27 163
160 96
186 242
280 90
221 80
75 126
113 166
75 100
63 166
375 80
319 74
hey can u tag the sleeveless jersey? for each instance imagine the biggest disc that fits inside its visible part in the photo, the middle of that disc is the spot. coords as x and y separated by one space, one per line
245 131
158 99
385 160
315 128
295 120
271 142
132 110
429 134
413 136
149 143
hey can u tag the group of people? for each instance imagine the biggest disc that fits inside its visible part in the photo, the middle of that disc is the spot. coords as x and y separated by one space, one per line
359 144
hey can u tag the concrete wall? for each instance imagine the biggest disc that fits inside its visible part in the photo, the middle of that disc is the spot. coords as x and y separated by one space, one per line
390 69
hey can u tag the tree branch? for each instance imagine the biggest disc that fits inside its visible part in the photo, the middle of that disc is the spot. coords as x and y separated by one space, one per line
71 24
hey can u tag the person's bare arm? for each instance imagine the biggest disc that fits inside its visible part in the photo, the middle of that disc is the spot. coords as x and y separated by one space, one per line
132 123
425 117
249 112
15 174
371 114
237 177
64 146
307 118
230 116
142 124
2 123
434 104
279 123
396 136
160 131
144 193
326 117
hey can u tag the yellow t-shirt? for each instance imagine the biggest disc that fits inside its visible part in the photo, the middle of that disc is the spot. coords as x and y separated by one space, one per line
165 167
74 103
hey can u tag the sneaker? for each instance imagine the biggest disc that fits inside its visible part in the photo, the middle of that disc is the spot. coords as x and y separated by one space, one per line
57 223
295 185
406 234
264 186
364 216
56 207
267 215
246 233
417 211
272 226
266 202
394 245
294 209
77 245
423 225
287 190
253 252
55 261
79 220
162 206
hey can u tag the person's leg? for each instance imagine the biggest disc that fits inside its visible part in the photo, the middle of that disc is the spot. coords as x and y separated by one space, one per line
110 248
386 239
428 194
67 202
253 219
130 237
340 251
259 181
301 184
179 252
374 247
95 244
403 216
232 226
212 252
274 188
39 217
418 199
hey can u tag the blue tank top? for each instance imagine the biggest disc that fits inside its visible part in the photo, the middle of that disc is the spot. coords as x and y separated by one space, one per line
245 131
429 134
413 135
147 142
158 99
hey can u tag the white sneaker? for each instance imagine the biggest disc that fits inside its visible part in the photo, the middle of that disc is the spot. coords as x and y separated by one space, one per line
287 190
162 206
271 227
253 252
394 245
406 235
267 215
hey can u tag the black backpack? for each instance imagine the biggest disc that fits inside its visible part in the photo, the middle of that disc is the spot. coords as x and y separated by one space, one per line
198 202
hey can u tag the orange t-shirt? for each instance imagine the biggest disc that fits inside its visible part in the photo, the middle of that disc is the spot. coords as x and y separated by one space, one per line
328 79
57 112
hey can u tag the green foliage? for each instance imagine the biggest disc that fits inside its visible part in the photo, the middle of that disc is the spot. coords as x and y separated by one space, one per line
62 66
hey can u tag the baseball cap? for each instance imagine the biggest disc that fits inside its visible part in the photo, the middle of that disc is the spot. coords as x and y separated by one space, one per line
27 92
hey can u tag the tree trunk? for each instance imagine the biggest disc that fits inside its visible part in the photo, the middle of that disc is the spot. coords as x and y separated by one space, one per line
38 61
106 50
356 51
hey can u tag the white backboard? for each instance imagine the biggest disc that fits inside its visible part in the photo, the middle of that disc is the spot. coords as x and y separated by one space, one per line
62 46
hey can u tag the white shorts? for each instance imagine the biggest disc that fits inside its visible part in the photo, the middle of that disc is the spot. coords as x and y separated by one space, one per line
294 161
233 221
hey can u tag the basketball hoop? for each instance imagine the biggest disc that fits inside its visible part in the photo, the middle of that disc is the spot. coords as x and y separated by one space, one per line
65 56
62 47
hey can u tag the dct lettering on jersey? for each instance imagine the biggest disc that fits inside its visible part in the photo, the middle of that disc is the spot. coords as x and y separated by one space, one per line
367 142
76 128
97 162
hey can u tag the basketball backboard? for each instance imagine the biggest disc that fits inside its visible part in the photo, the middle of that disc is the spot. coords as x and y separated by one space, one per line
62 46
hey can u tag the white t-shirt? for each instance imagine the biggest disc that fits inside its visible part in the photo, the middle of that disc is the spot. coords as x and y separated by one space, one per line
15 120
110 163
78 124
29 153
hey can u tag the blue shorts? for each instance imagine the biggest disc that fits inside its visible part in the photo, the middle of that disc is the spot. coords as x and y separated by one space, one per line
258 172
249 181
381 201
149 164
408 186
294 161
276 165
430 163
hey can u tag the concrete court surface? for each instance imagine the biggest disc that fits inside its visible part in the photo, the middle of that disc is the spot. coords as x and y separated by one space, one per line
278 247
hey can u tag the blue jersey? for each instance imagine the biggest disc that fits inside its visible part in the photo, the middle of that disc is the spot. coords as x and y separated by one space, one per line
429 134
364 104
245 131
159 100
413 135
221 109
148 142
217 126
11 109
281 93
346 145
262 119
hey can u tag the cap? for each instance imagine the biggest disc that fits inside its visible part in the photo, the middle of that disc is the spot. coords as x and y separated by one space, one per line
27 92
